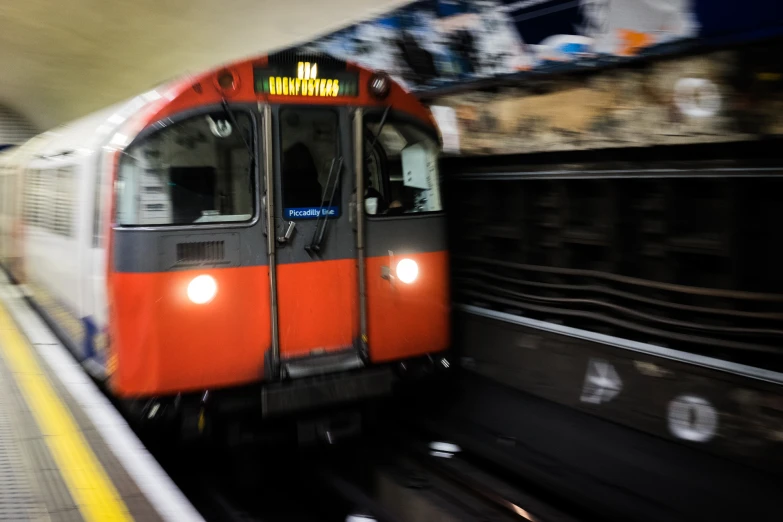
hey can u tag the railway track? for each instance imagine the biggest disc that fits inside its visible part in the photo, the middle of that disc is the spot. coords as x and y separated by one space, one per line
388 476
471 483
411 484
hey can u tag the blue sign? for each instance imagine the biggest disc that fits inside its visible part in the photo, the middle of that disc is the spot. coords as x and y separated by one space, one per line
311 212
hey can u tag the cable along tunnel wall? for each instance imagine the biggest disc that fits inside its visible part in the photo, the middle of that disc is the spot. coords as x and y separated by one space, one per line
691 264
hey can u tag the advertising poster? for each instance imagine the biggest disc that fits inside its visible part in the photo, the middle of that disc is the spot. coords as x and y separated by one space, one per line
437 43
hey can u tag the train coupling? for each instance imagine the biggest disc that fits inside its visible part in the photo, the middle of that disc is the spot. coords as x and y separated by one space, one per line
423 367
329 429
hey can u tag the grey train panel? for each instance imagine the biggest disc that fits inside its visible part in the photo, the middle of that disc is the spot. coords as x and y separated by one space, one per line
183 251
137 250
339 246
406 234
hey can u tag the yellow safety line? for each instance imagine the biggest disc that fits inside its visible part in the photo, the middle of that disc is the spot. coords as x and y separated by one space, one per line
90 486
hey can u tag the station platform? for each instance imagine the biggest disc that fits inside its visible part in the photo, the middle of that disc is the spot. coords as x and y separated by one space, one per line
66 454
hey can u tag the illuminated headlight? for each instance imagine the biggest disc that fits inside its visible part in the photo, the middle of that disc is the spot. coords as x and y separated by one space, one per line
407 270
202 289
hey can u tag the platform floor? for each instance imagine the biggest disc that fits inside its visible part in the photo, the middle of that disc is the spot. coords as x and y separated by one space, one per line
65 453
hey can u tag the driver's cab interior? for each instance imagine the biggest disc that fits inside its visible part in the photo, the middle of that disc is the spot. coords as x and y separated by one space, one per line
310 147
400 163
401 175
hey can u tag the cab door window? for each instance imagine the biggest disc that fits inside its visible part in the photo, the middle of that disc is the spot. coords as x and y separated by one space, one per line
310 163
401 169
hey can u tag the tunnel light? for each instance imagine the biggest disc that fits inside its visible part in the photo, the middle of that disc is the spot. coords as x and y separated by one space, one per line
120 140
202 289
116 119
151 96
407 271
444 450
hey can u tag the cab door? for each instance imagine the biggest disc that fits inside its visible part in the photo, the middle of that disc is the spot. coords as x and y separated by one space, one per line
315 255
405 253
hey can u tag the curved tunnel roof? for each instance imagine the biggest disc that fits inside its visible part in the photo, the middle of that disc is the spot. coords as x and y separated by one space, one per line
62 60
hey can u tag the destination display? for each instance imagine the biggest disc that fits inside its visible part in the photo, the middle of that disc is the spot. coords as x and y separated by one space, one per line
306 79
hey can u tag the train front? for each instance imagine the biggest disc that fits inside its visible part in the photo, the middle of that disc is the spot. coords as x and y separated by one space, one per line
243 264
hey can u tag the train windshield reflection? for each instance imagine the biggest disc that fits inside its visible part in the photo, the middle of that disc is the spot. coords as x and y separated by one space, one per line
196 171
401 169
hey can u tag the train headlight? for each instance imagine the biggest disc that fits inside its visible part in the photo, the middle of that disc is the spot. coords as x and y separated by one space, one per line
407 271
202 289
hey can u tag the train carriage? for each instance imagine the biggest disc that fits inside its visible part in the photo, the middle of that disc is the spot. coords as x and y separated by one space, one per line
204 244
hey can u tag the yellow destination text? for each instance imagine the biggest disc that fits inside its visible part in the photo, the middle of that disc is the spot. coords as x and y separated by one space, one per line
300 87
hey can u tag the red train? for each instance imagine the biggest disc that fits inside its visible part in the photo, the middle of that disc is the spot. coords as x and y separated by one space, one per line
202 246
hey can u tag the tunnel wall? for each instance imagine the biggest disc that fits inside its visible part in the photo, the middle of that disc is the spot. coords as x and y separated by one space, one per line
639 285
627 261
720 96
15 129
633 204
668 171
690 263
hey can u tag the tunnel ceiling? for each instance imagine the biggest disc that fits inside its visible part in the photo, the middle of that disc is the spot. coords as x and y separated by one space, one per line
61 60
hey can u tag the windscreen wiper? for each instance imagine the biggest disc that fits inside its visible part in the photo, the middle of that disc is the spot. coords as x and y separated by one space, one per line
249 147
320 225
380 127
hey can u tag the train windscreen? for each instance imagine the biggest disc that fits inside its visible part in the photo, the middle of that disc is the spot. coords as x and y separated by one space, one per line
401 166
196 171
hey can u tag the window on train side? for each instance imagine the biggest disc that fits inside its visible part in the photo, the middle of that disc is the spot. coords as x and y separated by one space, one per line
64 202
49 200
196 171
401 168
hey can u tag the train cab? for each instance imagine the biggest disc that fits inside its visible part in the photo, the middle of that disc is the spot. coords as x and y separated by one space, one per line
277 222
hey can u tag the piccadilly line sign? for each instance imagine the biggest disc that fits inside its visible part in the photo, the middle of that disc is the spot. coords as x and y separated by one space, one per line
311 212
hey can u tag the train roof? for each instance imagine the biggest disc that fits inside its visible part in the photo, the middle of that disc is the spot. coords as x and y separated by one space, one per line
117 125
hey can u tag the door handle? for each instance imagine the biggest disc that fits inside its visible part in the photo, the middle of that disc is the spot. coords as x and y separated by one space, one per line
288 233
387 272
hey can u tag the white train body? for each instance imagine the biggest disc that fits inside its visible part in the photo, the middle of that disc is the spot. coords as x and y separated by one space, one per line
55 197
